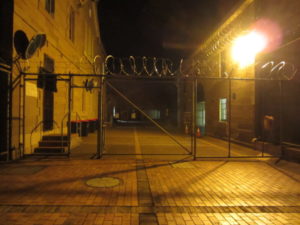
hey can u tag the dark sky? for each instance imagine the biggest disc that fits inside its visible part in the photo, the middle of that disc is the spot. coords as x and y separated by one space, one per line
162 28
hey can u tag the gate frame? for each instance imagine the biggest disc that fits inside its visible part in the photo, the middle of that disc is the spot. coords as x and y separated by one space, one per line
190 152
69 79
100 131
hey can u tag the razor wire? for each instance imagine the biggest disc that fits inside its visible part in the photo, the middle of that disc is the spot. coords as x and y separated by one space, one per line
200 67
140 66
277 70
270 70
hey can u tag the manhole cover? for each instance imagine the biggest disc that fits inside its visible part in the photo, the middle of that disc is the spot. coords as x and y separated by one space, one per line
102 182
185 165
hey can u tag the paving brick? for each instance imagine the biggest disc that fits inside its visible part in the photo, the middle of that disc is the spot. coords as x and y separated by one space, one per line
209 192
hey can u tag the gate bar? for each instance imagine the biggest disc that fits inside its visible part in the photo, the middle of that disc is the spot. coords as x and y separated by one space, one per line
194 119
67 74
229 117
69 114
148 117
99 125
100 129
35 79
23 113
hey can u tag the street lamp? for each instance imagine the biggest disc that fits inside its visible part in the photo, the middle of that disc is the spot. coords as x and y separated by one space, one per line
243 52
246 47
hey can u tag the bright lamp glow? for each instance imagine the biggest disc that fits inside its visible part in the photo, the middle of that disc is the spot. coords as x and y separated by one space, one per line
246 47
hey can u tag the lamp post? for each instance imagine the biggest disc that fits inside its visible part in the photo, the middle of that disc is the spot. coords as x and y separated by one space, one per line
243 52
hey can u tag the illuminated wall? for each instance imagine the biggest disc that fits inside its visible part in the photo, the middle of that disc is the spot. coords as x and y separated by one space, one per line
73 40
250 100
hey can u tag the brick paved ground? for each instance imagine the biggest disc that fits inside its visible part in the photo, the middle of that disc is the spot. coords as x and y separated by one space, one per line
55 192
197 192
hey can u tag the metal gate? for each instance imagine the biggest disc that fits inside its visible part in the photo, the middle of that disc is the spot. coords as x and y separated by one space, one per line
207 123
64 127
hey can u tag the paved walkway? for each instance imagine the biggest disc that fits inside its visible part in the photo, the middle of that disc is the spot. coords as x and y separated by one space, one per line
143 191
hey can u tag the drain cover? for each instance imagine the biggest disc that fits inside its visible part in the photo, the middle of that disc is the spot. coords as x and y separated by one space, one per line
103 182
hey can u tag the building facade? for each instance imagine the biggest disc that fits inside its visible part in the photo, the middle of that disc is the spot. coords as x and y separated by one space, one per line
71 45
259 101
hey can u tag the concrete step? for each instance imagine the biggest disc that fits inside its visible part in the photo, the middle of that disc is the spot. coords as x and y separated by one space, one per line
49 150
50 154
53 143
54 137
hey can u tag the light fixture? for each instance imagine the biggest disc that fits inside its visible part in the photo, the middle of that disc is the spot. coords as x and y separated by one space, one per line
247 46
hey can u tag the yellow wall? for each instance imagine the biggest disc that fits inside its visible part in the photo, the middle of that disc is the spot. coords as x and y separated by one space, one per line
69 57
214 59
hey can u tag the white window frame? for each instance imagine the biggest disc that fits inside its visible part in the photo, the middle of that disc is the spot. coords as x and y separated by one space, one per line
223 109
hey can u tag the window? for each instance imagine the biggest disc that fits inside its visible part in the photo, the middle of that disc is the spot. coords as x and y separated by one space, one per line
72 25
46 80
89 45
200 114
48 63
50 6
223 109
154 114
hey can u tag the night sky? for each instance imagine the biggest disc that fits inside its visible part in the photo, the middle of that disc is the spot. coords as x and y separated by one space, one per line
161 28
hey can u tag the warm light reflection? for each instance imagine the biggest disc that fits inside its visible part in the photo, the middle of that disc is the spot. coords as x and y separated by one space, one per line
246 47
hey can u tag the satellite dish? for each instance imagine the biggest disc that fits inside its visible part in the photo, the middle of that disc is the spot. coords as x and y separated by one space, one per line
21 43
38 41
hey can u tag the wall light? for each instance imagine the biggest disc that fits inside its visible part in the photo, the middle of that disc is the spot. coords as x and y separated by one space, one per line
246 47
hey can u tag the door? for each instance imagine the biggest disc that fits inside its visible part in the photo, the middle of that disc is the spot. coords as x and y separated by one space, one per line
49 86
48 110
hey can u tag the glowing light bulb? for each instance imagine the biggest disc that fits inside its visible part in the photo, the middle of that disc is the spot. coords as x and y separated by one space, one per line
246 47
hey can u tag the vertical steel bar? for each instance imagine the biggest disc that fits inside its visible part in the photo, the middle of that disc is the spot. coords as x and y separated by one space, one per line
195 116
24 113
69 114
99 125
280 116
20 118
178 93
100 119
9 115
192 118
229 117
263 126
102 116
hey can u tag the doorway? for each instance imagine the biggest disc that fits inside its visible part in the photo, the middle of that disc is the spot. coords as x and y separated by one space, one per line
48 110
48 83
